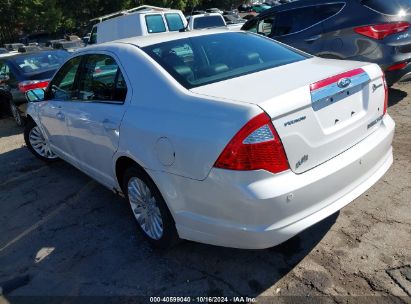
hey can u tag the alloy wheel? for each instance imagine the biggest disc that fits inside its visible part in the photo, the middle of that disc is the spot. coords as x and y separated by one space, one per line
145 208
39 143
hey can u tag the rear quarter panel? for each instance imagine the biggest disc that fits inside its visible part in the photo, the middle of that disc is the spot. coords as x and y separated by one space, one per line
167 128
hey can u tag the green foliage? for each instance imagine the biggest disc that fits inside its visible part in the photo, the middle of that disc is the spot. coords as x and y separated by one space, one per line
27 16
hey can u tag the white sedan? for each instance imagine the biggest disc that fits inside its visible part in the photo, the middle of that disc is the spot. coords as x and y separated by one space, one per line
221 137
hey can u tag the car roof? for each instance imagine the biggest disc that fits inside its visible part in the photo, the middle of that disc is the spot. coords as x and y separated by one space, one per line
301 3
16 55
143 41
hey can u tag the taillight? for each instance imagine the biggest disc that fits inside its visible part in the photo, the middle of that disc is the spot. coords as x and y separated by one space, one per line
25 86
380 31
256 146
386 95
397 66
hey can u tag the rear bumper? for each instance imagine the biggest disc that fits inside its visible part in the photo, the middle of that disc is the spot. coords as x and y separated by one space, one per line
257 209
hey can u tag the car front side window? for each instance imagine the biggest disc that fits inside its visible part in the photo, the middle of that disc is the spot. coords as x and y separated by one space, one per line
63 86
101 80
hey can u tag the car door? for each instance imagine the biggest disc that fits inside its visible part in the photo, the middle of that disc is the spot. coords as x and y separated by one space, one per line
94 118
300 28
52 115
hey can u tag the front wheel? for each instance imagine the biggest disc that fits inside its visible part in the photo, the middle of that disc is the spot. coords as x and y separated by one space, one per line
37 144
152 216
16 114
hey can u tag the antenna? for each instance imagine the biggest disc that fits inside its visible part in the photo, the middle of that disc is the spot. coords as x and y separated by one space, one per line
191 14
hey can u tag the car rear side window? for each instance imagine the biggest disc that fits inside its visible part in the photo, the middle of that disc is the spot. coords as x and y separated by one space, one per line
208 22
101 80
206 59
389 7
155 24
299 19
174 22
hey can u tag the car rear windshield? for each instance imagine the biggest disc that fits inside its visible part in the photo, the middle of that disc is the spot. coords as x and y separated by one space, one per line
389 7
202 60
207 22
40 62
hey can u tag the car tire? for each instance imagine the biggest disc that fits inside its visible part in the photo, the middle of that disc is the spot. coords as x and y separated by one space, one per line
37 144
149 209
20 120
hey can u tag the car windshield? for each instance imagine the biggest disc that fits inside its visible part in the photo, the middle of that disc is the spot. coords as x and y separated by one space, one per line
40 62
207 22
202 60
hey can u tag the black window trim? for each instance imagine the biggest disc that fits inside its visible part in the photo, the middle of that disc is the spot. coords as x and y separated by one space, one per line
302 7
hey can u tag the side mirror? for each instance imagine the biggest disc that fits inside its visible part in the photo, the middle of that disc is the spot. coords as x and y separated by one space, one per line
35 95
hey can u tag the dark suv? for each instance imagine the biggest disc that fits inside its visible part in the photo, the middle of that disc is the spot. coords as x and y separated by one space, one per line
366 30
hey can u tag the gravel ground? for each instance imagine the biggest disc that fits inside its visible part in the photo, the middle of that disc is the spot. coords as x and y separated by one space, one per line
72 237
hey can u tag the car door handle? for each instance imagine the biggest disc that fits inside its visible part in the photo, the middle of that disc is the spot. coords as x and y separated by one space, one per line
109 125
313 38
60 115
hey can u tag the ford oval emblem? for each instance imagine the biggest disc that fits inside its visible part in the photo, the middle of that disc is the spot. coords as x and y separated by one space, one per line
344 82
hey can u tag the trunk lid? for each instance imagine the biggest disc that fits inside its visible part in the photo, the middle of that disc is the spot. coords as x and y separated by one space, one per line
316 115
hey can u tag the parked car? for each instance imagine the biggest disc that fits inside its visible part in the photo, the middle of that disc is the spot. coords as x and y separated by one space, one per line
3 51
241 149
232 17
69 46
259 8
22 72
214 10
244 8
140 23
13 46
41 38
371 30
204 21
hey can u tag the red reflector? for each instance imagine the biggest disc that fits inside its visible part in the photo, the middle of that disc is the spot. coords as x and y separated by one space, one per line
323 83
32 84
397 66
380 31
256 146
386 94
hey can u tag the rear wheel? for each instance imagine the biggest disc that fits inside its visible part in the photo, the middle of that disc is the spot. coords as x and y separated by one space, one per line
37 144
152 216
16 114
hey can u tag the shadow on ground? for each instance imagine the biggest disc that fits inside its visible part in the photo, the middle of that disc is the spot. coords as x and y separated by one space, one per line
74 237
8 127
395 96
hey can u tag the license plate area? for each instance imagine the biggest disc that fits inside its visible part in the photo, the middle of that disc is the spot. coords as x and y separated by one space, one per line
340 100
333 92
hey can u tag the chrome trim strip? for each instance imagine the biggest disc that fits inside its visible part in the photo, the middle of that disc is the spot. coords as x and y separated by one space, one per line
332 93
